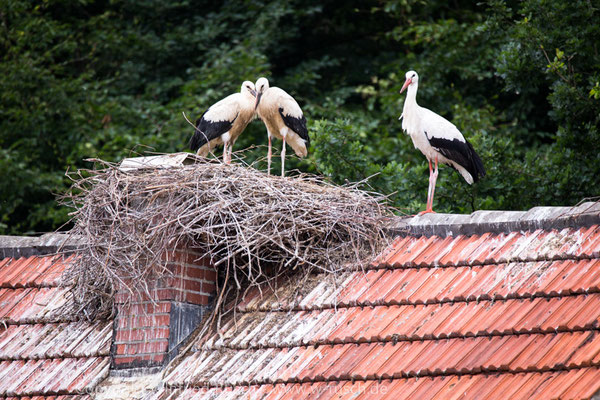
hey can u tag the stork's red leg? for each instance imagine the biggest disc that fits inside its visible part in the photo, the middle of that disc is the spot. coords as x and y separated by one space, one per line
283 158
430 191
269 157
225 161
435 175
230 155
429 196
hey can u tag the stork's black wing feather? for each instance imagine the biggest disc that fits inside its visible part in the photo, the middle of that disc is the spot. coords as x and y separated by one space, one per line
460 152
208 130
298 125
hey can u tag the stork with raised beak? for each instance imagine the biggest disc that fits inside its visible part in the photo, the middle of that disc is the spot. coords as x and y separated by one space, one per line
438 139
283 118
223 122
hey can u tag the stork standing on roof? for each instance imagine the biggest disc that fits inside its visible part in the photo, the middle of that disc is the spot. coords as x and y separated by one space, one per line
438 139
224 122
283 118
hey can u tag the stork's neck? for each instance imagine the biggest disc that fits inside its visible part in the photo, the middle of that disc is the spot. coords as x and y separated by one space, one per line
411 98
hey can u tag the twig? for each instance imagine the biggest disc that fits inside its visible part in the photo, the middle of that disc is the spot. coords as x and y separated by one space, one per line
254 227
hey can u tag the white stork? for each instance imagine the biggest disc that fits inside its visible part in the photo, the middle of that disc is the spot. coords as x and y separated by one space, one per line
438 139
224 122
283 118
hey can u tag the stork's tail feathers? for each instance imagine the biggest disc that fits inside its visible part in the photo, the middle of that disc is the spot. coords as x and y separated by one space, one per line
200 144
203 150
199 138
299 145
475 166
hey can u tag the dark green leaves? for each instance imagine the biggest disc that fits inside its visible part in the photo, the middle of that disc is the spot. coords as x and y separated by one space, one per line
110 79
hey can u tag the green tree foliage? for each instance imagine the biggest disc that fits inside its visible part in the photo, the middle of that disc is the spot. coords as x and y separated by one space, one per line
109 79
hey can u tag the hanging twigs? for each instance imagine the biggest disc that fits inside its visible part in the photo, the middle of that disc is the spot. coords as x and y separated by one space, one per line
252 226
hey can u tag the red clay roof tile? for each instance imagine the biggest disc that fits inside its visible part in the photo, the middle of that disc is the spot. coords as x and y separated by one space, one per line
358 285
583 385
476 244
459 386
591 246
397 325
527 279
561 351
331 320
504 387
369 359
295 391
42 355
451 321
51 275
391 248
510 349
345 319
397 247
318 295
419 248
450 258
530 241
403 254
13 269
281 360
23 371
587 315
556 387
587 354
481 318
429 387
590 282
434 287
439 315
398 281
532 353
378 288
501 249
541 281
507 309
435 252
530 382
559 318
570 281
247 367
470 355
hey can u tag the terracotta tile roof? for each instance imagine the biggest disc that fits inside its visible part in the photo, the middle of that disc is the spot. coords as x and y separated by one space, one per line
490 315
43 355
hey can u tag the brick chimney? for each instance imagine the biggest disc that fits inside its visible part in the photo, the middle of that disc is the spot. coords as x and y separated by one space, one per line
149 331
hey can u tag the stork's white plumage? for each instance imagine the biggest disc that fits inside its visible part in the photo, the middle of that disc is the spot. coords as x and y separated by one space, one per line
224 122
438 139
283 118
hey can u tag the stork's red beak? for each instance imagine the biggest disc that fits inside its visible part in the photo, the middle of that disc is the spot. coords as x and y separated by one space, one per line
258 96
408 82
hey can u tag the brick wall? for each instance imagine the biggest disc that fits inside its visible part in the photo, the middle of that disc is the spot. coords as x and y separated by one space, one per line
150 330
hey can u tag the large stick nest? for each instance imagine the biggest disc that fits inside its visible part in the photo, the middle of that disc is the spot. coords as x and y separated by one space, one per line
252 226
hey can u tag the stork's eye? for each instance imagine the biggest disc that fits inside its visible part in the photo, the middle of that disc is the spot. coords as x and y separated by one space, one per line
414 75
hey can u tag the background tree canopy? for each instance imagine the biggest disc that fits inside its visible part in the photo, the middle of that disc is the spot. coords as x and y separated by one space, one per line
109 79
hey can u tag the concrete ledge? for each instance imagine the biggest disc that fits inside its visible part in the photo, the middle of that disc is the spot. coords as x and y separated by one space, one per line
479 222
49 243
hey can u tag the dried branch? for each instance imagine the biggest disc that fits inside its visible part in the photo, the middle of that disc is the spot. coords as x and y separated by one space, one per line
252 226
